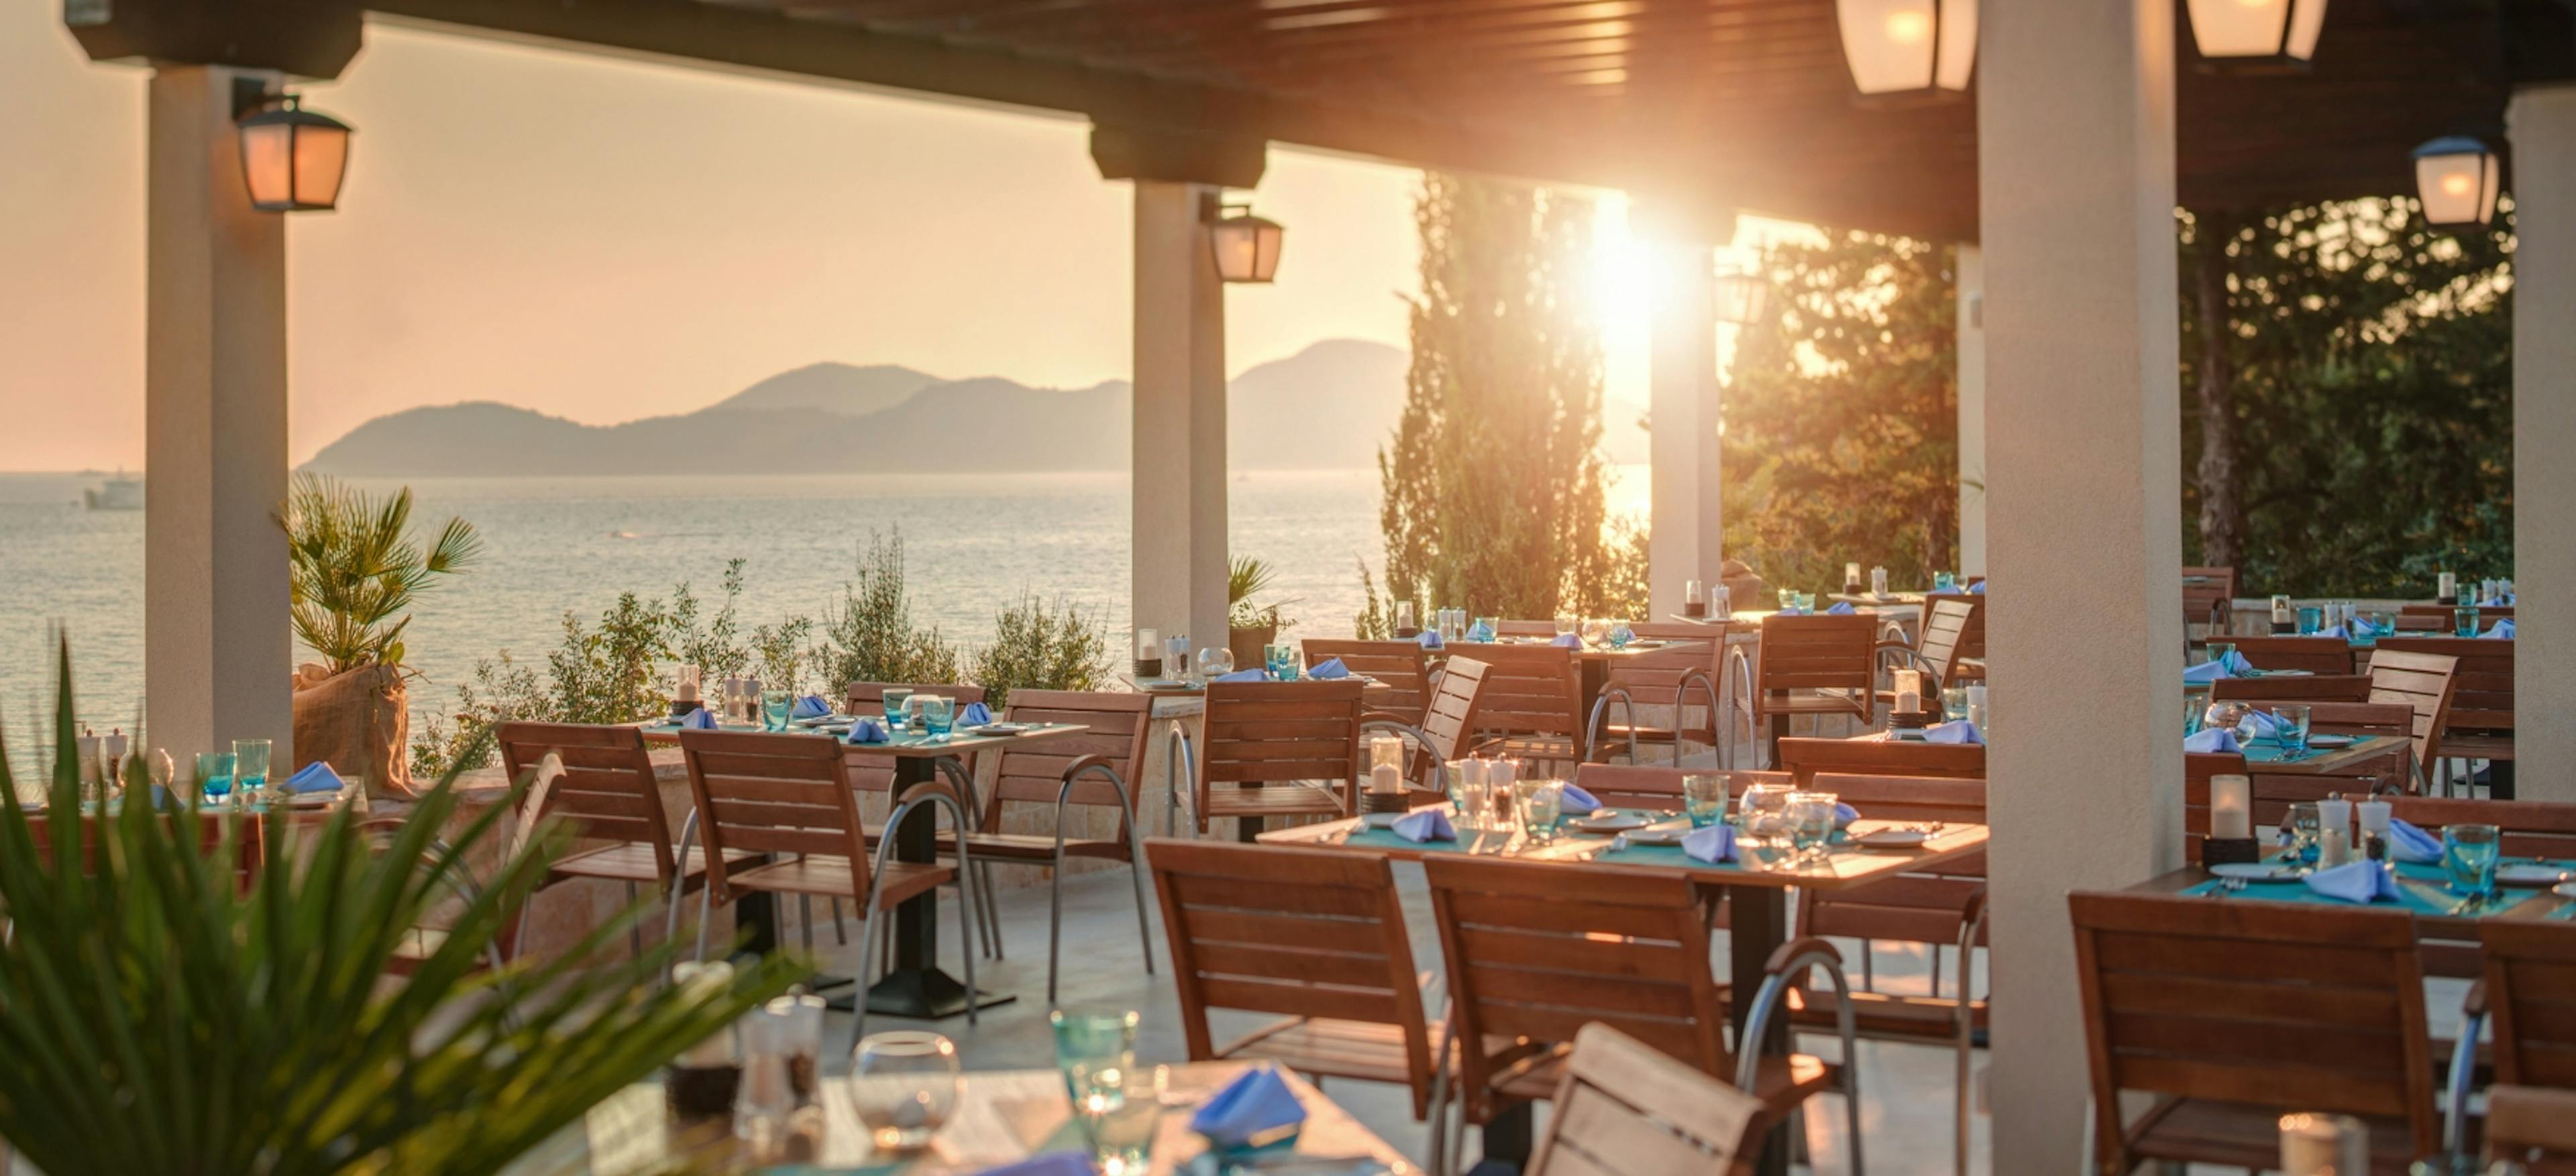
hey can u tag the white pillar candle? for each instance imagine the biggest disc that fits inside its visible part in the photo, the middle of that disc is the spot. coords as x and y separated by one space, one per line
2231 807
1149 645
2323 1145
1909 692
2448 588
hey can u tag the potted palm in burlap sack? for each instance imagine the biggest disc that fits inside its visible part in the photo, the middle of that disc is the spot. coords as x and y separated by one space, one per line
356 569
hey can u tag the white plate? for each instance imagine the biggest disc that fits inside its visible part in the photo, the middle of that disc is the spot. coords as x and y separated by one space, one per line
1001 729
2564 890
2330 741
2256 871
1610 822
1892 839
2529 874
1658 836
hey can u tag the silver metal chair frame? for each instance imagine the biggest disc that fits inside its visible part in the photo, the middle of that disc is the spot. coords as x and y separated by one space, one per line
1135 871
1768 1001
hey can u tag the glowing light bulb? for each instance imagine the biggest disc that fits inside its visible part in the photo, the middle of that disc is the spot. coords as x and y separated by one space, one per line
1908 26
2456 184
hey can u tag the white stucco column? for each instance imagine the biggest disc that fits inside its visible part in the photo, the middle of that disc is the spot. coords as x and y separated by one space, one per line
2083 457
1687 540
2542 123
217 649
1971 281
1179 459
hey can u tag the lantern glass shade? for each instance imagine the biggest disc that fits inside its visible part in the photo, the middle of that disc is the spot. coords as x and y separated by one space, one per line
293 159
2457 178
1739 297
1246 247
1897 46
2282 30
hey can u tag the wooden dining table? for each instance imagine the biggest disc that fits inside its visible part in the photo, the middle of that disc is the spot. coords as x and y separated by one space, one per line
914 985
1001 1117
1756 888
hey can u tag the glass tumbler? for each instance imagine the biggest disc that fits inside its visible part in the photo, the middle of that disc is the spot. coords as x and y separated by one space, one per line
2469 855
938 714
1540 803
2290 727
1763 813
1811 823
895 704
215 776
250 768
903 1086
2464 622
1094 1047
1704 799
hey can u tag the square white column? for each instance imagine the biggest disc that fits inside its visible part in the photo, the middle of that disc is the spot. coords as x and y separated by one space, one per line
218 652
1179 509
2542 124
2084 465
1970 279
1687 536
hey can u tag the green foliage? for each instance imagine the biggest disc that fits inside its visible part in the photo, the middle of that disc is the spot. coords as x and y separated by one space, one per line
503 691
1841 438
612 673
1042 646
353 567
1246 577
161 1019
715 646
2371 357
871 636
1494 482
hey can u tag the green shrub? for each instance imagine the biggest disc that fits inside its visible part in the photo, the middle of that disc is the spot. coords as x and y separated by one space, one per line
1041 646
871 637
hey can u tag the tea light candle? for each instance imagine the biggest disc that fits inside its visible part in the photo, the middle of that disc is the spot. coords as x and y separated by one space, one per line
2231 807
2324 1145
1386 763
1878 581
1149 644
1851 575
2447 587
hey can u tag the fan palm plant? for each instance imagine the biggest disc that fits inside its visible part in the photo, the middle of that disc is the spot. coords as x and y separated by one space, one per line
164 1016
356 567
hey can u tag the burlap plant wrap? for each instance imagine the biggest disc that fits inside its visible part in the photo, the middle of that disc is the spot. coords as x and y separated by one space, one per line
359 723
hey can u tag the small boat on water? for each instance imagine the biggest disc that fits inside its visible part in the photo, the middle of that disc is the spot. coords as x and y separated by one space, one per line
120 493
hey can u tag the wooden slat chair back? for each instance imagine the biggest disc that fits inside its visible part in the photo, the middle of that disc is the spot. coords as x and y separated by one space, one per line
2237 1013
1971 639
868 699
2211 602
1279 749
1633 786
1403 666
2421 682
1625 1107
1449 717
2316 655
2344 687
1534 953
775 794
1119 725
1803 759
1819 664
1926 907
2530 974
1532 698
1672 690
607 791
2533 1127
2480 723
1944 634
1313 936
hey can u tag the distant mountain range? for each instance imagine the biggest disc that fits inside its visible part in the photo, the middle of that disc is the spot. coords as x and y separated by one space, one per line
1328 407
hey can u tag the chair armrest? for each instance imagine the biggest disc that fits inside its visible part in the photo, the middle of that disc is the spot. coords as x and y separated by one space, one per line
1087 763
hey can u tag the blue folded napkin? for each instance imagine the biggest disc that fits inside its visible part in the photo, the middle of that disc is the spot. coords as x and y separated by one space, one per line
2503 629
1574 801
1063 1163
2264 725
2334 631
1954 731
2361 881
1567 641
810 706
1714 843
868 731
1242 676
700 719
1841 608
1424 824
2208 671
1844 814
1248 1109
976 714
1329 669
1979 588
2408 842
314 777
1480 632
2237 665
1430 639
2361 627
2212 740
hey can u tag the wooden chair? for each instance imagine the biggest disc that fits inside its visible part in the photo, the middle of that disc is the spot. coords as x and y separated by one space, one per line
1935 649
1404 668
2534 1128
1803 759
1815 665
2233 1014
792 795
1096 770
2317 655
1312 936
1279 749
1534 953
1684 685
2211 602
1447 730
2530 988
2422 683
607 792
1625 1107
2344 687
1532 704
1967 645
2480 724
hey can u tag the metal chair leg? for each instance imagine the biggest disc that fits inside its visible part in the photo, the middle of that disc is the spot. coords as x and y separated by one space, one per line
1144 923
992 913
706 912
867 973
634 927
805 921
840 933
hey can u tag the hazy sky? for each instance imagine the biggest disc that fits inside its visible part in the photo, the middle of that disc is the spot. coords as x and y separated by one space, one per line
605 240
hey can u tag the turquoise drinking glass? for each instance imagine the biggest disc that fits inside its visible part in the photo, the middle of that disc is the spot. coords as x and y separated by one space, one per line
774 707
2290 727
2469 855
1093 1047
1788 598
2312 620
1944 582
1279 662
1621 634
938 715
250 767
2464 622
1704 799
215 775
894 700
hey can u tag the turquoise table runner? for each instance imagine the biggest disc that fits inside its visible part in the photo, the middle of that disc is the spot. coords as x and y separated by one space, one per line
2420 890
2270 751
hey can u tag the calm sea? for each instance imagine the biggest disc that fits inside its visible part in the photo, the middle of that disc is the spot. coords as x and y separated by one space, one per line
974 543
